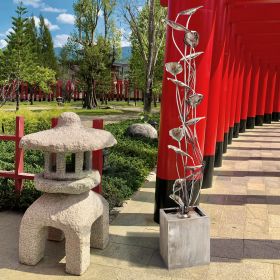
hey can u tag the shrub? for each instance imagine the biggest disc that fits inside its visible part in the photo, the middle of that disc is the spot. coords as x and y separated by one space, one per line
129 162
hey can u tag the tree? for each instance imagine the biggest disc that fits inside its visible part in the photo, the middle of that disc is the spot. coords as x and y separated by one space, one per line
39 77
32 37
18 54
19 62
93 54
148 36
46 49
107 8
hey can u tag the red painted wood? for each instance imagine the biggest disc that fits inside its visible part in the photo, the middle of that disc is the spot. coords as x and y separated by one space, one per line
97 156
262 90
270 92
19 153
215 90
232 63
54 122
276 105
254 89
223 100
8 137
246 88
240 91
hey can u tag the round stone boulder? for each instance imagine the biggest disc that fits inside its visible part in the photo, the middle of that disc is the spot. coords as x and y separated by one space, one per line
142 130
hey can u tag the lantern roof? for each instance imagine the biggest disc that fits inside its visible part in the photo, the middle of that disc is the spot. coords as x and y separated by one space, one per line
68 136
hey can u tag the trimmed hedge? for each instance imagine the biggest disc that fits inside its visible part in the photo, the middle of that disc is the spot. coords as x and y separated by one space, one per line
128 163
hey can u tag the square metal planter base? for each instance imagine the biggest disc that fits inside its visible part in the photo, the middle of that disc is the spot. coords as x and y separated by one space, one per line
184 242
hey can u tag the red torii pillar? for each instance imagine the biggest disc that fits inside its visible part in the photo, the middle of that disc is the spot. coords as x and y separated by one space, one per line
262 94
202 22
270 96
215 92
234 90
276 105
227 84
222 135
254 88
237 115
246 93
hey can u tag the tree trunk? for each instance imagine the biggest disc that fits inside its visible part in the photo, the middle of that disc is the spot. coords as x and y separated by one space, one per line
17 99
148 96
32 91
155 100
90 101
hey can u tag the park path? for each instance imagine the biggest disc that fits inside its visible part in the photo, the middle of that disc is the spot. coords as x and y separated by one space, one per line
243 205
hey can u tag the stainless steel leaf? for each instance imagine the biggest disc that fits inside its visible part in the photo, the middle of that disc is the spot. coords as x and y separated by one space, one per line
191 11
193 167
176 26
179 83
178 151
191 38
178 185
192 56
174 68
195 99
194 121
177 199
177 133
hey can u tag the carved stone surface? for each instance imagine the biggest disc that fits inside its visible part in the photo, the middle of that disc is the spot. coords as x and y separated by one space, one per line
68 187
184 242
68 208
68 136
84 220
142 130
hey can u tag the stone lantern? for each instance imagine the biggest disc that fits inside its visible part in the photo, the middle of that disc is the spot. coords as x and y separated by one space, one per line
68 208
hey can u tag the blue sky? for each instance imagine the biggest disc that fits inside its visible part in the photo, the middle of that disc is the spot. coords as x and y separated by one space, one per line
58 15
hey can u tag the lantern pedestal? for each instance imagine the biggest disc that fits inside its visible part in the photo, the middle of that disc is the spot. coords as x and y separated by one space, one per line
184 242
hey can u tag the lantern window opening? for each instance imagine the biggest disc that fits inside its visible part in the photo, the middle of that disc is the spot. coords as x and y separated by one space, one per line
70 162
52 163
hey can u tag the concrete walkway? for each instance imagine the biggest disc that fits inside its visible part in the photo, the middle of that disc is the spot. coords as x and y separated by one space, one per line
244 206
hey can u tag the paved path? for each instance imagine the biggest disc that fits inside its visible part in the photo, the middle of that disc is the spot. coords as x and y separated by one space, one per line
244 206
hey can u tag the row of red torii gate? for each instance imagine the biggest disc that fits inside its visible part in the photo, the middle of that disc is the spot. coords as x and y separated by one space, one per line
239 75
120 90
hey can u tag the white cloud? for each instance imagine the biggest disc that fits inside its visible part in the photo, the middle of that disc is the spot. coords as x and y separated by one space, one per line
40 4
10 30
125 38
51 26
66 18
33 3
50 9
3 44
60 40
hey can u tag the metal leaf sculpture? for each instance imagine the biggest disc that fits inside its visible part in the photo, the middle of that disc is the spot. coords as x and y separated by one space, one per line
195 99
190 12
179 83
191 38
189 158
177 134
194 121
174 68
178 151
192 56
176 26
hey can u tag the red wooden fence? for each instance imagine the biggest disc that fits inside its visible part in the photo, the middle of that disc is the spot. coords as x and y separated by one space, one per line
18 174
